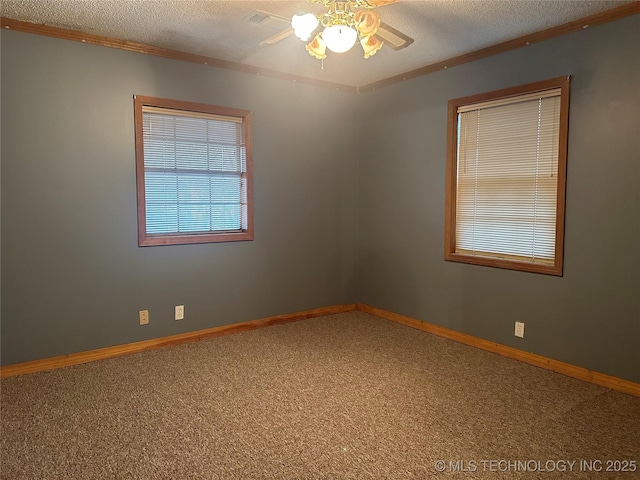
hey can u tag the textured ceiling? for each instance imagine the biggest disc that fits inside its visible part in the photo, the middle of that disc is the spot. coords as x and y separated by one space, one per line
442 29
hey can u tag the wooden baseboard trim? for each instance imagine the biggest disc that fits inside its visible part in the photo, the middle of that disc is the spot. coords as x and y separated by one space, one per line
118 350
580 373
608 381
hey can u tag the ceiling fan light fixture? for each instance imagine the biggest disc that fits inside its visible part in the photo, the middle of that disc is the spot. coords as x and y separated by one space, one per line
344 23
339 38
317 48
367 21
304 25
370 45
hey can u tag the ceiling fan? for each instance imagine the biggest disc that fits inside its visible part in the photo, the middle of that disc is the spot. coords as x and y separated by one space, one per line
342 25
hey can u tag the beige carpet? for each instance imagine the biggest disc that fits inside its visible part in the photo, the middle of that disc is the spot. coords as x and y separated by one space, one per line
347 396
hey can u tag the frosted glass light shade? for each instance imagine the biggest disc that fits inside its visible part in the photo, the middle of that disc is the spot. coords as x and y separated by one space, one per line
304 25
339 38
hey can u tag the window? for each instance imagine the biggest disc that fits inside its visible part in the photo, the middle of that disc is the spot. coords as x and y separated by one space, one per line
506 168
193 167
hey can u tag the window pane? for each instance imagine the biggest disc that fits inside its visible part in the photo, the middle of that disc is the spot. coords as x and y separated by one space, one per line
193 174
506 167
507 180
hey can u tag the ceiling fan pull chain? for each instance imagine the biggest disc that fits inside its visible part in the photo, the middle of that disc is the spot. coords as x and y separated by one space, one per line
322 64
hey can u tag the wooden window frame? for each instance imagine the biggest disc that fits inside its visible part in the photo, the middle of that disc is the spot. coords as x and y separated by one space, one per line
145 239
451 178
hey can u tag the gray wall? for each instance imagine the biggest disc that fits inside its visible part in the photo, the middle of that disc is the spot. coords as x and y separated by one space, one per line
73 276
589 317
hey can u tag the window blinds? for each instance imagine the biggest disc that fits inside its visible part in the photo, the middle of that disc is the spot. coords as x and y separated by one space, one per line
194 172
507 178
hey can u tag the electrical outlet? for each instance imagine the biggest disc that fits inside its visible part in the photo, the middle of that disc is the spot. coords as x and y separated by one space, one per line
519 329
144 317
179 312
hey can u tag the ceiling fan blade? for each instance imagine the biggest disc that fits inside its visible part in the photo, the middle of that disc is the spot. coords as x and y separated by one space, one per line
394 39
277 37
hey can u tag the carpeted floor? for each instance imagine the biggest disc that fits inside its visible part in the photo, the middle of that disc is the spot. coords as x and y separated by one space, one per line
348 396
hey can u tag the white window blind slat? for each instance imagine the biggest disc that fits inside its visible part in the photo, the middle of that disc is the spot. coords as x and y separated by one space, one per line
174 112
555 92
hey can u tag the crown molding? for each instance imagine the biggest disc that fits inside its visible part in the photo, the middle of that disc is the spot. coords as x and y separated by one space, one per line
573 26
78 36
524 41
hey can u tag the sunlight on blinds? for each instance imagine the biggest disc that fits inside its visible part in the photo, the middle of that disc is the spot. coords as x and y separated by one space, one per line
507 179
